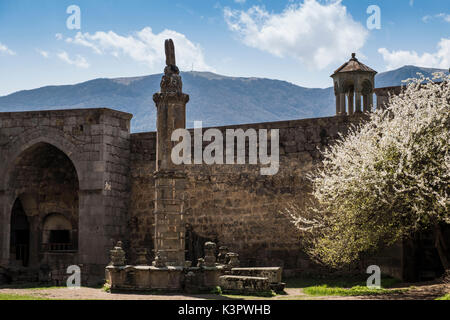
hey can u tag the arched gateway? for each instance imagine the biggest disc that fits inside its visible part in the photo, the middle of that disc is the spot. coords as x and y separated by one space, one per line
54 208
43 180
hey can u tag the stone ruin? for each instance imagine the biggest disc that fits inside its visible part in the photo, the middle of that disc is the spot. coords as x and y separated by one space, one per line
169 270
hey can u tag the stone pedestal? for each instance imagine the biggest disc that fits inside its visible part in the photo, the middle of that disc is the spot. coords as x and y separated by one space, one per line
244 284
169 217
210 254
117 255
144 278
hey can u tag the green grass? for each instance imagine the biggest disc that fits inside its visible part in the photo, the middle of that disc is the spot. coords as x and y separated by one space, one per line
8 296
217 290
106 287
342 286
446 297
325 290
337 281
231 294
30 286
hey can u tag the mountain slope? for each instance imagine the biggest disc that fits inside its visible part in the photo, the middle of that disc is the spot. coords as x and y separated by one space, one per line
395 77
214 99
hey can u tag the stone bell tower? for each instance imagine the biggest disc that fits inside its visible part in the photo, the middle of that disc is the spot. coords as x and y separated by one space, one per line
170 179
352 81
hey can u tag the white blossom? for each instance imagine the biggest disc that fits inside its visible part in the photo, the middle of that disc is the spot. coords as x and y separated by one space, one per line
385 179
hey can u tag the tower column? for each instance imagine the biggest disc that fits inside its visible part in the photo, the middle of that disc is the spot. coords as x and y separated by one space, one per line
366 103
350 103
358 102
170 179
342 104
370 97
338 104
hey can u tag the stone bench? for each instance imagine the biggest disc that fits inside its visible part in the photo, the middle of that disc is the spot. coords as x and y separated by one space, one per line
272 273
244 284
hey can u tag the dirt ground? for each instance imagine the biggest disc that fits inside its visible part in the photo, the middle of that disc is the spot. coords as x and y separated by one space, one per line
420 291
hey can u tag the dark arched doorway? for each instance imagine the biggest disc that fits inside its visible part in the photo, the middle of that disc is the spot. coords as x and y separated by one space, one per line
58 234
19 236
45 215
194 244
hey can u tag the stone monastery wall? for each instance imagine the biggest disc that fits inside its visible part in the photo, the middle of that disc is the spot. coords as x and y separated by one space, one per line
100 178
235 205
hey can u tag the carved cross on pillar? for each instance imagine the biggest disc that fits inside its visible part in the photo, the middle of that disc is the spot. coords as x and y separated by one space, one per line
170 53
170 180
171 81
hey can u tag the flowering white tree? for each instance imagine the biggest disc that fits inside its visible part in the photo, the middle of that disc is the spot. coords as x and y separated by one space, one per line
384 180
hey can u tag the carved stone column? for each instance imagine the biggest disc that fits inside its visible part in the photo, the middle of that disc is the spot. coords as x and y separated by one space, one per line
370 98
338 99
170 179
350 103
358 102
366 103
342 104
338 104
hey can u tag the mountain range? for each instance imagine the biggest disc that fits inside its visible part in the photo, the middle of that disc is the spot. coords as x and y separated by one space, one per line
214 99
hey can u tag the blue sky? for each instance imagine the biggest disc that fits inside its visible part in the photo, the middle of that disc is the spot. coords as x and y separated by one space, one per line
302 42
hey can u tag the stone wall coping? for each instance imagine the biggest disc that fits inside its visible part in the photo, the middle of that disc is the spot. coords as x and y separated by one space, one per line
272 125
65 113
212 268
164 268
145 268
285 123
219 267
148 133
258 269
395 89
243 278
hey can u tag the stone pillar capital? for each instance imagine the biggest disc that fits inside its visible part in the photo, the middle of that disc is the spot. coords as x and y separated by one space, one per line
161 98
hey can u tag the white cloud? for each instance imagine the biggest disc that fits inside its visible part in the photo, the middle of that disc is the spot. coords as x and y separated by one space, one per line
314 33
426 18
441 16
144 46
439 59
78 61
58 36
81 40
444 16
5 49
239 1
411 3
43 53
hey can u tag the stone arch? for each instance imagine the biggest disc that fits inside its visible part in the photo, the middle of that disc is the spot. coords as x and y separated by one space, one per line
48 167
19 235
348 89
58 232
367 94
348 85
32 137
367 87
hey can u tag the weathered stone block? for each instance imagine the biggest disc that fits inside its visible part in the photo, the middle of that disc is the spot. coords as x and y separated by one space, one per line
273 274
244 284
